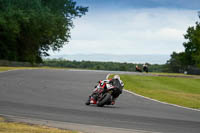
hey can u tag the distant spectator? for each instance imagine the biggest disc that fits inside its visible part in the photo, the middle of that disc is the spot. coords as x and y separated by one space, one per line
145 68
137 68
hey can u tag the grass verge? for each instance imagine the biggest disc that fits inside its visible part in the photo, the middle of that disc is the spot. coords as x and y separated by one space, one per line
18 68
13 127
175 90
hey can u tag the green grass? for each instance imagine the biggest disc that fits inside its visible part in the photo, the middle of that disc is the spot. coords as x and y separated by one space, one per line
14 127
175 90
18 68
13 68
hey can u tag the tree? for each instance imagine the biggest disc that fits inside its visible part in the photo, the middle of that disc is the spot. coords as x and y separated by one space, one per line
192 47
191 56
29 28
177 63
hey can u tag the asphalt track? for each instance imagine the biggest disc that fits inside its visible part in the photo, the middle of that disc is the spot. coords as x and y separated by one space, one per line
59 95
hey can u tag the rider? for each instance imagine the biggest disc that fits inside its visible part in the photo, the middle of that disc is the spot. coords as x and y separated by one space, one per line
145 68
116 82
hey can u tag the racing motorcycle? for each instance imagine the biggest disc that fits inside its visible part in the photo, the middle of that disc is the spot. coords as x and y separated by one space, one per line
102 94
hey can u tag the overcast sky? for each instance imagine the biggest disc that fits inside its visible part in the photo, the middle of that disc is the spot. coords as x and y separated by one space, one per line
131 27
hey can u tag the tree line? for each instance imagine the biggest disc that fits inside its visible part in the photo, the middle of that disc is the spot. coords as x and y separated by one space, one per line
190 57
95 65
30 28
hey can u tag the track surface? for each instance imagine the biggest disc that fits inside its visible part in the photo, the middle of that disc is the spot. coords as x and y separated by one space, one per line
60 95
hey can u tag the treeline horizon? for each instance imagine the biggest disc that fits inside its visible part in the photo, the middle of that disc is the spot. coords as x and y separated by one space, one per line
102 65
99 65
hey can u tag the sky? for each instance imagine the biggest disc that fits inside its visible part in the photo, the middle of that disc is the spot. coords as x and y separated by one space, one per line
131 27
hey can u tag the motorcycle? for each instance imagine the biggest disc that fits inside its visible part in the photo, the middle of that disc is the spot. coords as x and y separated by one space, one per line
102 95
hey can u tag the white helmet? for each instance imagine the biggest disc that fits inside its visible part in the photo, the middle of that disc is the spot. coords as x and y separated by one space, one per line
117 77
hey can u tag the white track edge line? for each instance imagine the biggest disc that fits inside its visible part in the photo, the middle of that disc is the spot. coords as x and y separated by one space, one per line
155 99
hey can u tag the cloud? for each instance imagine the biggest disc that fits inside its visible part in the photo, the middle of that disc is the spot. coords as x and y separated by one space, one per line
131 31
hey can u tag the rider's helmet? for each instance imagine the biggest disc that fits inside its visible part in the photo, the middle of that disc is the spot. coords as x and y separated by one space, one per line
116 77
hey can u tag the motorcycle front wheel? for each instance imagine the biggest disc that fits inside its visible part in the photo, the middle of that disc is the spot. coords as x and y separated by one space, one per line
105 99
